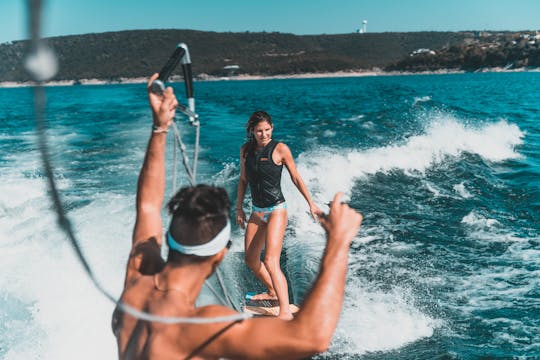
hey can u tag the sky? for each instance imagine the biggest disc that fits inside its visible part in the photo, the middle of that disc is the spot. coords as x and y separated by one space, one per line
68 17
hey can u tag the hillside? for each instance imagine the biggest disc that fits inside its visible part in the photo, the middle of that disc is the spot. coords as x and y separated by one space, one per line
509 50
114 55
129 54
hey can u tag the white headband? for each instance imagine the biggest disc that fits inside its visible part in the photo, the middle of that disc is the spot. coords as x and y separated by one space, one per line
210 248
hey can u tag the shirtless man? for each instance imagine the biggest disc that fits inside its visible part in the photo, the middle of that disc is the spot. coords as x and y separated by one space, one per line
198 239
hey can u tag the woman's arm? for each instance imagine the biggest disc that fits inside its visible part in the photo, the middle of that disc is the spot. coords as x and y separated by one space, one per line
242 185
286 158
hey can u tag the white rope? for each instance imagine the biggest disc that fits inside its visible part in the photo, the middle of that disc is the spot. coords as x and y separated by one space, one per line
197 124
217 295
179 144
191 177
222 284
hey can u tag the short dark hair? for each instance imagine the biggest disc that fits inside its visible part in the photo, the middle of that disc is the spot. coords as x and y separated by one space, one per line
198 214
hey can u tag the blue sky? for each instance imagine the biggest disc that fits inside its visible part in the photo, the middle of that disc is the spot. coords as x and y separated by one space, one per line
65 17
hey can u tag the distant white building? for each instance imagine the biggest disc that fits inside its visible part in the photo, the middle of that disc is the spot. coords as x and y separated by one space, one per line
363 29
231 69
364 26
422 51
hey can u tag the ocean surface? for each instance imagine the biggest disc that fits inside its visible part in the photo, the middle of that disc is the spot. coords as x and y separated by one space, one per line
445 169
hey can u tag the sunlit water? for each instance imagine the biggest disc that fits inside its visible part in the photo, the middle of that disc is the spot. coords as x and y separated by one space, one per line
445 169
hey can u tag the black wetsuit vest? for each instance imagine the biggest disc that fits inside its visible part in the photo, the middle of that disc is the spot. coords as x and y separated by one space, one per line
264 177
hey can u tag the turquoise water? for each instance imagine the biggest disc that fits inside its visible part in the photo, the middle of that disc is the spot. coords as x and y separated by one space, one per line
445 169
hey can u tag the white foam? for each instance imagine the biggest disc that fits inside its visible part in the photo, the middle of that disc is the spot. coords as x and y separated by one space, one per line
483 228
355 118
370 320
421 99
375 320
434 189
493 288
17 191
329 133
462 190
526 254
227 176
68 309
368 125
500 286
107 256
478 221
445 139
69 317
378 321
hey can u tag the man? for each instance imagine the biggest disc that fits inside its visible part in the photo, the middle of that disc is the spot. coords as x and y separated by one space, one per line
198 237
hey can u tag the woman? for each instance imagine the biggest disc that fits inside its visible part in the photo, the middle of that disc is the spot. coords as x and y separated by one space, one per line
261 163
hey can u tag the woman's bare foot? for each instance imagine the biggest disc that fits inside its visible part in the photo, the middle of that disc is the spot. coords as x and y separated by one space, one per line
264 296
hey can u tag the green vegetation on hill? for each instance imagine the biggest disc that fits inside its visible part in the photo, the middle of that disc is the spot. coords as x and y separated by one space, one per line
128 54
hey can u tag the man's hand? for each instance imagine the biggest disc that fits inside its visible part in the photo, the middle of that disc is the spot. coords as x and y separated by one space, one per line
163 106
342 223
314 211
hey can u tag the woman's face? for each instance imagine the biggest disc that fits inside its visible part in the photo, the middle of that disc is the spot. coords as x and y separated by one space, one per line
263 133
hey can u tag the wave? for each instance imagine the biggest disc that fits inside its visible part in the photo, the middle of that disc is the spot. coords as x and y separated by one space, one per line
445 139
491 289
47 294
483 228
379 321
421 99
374 320
462 190
354 118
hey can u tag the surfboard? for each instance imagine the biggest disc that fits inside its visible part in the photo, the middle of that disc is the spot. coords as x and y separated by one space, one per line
265 307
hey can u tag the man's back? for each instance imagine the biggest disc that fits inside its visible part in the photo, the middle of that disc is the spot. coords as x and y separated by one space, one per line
140 339
136 337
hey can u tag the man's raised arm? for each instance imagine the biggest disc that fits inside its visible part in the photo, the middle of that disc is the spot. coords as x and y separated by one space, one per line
312 329
147 233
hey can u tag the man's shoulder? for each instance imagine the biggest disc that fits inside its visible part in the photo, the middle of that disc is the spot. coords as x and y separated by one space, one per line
214 311
221 332
137 291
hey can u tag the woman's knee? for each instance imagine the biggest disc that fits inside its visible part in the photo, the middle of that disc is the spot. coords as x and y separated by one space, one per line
252 261
271 263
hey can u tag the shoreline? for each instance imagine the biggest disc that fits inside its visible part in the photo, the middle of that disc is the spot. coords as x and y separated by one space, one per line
247 77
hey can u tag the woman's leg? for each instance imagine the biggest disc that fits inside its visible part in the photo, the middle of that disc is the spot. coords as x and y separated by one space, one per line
277 222
254 243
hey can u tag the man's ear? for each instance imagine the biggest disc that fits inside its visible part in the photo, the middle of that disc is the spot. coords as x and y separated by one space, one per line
220 255
217 259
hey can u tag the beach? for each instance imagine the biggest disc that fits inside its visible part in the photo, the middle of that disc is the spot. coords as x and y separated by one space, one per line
206 77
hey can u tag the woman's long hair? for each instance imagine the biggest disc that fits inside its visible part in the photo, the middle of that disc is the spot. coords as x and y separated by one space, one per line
255 118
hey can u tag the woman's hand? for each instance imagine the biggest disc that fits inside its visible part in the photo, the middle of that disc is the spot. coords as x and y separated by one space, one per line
240 218
315 211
